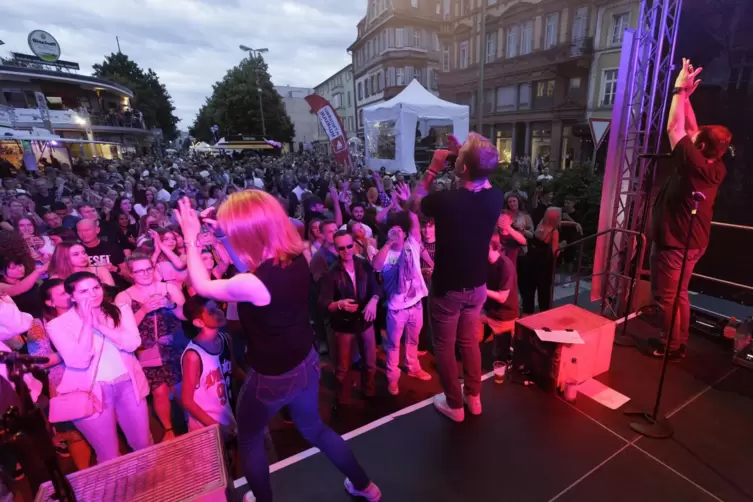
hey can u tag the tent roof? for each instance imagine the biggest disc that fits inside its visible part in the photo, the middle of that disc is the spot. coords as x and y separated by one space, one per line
416 97
24 136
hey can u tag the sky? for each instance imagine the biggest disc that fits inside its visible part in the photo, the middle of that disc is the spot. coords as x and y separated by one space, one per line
192 43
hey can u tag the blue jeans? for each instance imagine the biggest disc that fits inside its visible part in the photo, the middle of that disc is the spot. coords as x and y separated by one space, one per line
666 267
261 397
455 316
407 321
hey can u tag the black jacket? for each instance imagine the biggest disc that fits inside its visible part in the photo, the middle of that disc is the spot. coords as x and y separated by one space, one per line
336 285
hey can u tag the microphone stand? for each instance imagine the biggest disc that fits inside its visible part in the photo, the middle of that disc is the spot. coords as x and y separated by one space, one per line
656 426
24 428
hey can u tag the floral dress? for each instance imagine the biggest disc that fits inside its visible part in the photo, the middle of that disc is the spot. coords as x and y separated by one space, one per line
164 330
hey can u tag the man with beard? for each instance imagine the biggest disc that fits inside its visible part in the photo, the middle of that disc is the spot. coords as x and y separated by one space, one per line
358 212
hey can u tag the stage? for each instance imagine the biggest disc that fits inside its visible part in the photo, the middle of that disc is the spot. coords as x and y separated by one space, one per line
531 446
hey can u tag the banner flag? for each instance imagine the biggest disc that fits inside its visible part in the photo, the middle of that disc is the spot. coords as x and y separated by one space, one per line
332 126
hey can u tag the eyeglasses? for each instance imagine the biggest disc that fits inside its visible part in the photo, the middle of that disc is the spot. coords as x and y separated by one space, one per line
343 248
144 271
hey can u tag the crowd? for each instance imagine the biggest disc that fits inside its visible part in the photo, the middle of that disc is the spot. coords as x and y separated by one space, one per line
181 279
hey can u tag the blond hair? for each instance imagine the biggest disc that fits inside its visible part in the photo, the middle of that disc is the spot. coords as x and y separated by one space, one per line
259 229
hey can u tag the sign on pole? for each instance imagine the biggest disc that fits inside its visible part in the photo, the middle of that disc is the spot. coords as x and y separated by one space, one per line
599 129
44 111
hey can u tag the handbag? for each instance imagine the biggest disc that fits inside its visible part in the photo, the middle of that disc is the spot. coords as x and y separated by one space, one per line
77 404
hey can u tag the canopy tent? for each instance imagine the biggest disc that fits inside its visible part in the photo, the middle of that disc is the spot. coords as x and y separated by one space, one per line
201 147
390 127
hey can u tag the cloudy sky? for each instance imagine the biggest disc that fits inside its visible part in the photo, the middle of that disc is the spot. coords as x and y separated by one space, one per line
192 43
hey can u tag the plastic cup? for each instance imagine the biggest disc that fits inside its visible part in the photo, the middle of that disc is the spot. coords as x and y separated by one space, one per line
499 371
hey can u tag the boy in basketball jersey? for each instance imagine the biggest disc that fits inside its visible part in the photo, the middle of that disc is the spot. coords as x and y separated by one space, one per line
207 368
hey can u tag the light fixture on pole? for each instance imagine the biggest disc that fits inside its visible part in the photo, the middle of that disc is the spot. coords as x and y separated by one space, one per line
257 53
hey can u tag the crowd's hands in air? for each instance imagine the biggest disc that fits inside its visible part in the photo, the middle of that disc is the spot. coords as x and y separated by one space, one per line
188 219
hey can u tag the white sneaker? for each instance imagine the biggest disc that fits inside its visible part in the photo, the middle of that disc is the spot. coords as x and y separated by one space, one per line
249 497
421 375
454 414
372 493
393 388
473 403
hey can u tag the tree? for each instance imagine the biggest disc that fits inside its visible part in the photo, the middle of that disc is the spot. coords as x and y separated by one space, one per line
234 105
150 96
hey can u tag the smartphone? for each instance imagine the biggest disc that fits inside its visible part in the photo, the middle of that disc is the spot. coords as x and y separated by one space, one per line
153 226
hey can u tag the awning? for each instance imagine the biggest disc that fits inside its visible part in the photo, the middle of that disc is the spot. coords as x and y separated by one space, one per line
50 139
244 145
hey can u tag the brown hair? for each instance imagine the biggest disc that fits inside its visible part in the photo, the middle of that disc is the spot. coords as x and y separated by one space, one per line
713 141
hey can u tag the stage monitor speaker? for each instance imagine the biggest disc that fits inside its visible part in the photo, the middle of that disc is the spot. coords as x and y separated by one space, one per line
549 364
188 468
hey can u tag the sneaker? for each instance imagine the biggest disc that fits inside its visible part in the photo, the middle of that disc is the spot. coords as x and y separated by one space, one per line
454 414
61 448
421 375
473 403
674 355
393 388
249 497
372 493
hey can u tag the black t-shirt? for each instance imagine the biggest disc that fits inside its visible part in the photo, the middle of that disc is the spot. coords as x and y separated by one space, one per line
279 335
691 172
105 253
502 276
464 222
43 203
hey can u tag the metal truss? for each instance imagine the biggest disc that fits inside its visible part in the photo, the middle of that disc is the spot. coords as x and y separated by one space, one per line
639 125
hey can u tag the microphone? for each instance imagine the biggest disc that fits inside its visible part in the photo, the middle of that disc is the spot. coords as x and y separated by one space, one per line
16 358
698 196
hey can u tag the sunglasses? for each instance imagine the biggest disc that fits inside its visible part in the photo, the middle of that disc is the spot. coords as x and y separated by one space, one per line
343 248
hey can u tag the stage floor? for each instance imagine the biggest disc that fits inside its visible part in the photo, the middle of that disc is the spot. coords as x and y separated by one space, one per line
531 446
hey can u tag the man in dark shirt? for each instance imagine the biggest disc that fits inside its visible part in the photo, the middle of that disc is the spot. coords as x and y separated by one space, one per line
44 197
501 308
101 253
541 201
464 221
697 167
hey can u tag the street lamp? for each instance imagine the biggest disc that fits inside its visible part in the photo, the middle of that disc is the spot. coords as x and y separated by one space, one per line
257 53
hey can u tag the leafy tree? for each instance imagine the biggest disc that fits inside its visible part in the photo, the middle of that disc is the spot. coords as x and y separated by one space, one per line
234 105
149 95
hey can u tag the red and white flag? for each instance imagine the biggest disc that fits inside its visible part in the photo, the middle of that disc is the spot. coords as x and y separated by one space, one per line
333 127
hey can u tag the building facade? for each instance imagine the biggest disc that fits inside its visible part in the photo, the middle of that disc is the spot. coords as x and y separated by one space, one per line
538 78
305 123
398 41
77 107
611 20
339 91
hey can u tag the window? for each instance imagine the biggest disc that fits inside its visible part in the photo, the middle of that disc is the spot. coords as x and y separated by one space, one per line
414 4
619 23
507 98
398 37
552 25
524 96
446 58
608 87
416 37
373 84
464 54
360 90
400 76
545 89
417 76
512 41
580 24
574 84
379 82
360 118
366 93
349 102
526 38
446 14
337 100
491 47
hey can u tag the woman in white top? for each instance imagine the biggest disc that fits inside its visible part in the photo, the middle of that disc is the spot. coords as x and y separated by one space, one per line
149 198
97 340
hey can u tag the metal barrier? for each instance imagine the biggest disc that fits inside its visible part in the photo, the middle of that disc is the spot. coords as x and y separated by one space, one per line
637 266
723 281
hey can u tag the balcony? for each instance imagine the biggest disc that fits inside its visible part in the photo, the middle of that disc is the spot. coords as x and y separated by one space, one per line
25 118
504 70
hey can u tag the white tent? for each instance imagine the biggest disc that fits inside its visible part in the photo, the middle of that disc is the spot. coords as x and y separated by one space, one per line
396 120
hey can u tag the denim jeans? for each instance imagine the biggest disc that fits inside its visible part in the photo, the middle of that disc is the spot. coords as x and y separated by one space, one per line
119 407
408 321
367 347
666 265
455 317
262 397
